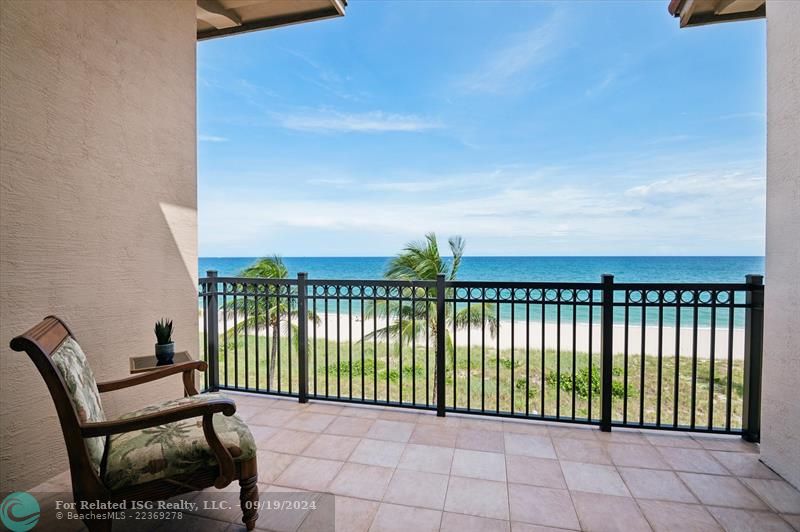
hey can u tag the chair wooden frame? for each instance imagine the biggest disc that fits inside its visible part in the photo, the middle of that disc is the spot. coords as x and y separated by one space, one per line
43 339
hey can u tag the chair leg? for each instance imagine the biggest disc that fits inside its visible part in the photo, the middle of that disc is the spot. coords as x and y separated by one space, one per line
248 497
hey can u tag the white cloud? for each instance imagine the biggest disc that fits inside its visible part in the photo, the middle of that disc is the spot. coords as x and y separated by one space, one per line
556 213
502 69
602 85
324 121
211 138
692 186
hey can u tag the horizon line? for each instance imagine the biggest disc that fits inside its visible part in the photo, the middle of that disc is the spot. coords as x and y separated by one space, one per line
485 256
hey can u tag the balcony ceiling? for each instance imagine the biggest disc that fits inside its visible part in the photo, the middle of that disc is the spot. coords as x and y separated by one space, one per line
700 12
216 18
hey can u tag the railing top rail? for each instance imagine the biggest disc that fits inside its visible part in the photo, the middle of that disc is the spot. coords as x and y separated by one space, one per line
249 280
687 286
371 282
510 285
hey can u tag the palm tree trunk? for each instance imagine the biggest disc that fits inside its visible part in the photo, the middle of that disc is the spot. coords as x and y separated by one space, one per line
274 355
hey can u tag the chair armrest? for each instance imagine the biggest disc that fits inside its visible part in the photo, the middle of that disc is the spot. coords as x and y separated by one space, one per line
206 409
159 373
162 417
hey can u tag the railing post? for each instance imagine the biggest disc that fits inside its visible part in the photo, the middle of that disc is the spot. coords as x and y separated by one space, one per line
606 351
212 317
440 354
302 336
753 355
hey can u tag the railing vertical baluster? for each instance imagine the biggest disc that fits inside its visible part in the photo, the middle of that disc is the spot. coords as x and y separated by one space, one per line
350 340
363 368
607 351
677 383
225 329
469 348
427 346
497 356
558 355
314 335
695 321
440 354
375 343
483 349
575 352
527 353
643 359
302 337
413 344
268 324
204 353
246 288
753 353
660 371
289 336
625 357
277 337
339 290
212 318
729 376
455 350
257 287
543 375
513 373
388 344
235 291
591 362
711 357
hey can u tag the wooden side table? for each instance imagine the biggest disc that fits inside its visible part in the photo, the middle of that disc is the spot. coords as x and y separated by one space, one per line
148 363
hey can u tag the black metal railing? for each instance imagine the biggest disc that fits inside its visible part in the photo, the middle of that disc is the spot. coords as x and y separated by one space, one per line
672 356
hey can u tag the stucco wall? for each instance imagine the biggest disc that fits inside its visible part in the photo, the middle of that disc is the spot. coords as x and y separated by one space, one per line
97 200
780 434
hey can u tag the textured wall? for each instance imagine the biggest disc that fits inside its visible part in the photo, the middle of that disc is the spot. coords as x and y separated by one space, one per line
97 200
780 434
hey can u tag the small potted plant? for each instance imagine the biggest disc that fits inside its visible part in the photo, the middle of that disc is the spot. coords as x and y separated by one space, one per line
165 347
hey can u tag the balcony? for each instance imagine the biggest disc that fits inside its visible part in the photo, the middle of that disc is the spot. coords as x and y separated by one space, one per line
391 469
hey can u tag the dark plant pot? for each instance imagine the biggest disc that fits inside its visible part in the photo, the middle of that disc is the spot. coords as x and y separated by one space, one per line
164 353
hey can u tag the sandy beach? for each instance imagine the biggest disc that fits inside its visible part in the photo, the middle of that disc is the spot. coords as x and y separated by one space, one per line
552 340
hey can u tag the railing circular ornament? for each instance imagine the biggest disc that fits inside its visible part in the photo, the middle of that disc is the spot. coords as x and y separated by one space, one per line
583 296
652 296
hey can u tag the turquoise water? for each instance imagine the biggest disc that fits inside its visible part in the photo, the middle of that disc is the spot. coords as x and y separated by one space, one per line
575 269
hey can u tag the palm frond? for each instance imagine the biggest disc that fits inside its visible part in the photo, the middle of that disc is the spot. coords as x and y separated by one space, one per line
457 248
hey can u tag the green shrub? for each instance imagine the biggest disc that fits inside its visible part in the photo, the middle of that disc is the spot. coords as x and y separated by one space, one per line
581 383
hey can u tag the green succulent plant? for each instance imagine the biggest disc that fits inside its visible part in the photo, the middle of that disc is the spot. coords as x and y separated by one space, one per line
163 330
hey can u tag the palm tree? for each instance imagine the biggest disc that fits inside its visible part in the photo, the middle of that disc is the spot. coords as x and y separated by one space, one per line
270 310
421 260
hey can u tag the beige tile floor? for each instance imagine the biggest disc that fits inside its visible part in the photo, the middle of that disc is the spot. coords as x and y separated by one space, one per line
390 469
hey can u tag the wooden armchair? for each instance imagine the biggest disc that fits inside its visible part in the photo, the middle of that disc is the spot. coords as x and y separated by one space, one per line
154 453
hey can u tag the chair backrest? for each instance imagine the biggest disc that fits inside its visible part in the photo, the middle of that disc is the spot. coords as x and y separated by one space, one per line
63 365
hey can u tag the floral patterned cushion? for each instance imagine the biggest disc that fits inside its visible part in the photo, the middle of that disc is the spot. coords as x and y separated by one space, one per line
71 362
173 449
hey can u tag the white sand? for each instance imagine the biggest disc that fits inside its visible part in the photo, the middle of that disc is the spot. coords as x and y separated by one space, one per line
504 336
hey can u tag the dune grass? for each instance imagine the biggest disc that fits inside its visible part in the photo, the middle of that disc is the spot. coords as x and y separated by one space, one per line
494 382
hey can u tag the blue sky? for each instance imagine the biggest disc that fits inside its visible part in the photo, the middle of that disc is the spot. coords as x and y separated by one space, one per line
529 128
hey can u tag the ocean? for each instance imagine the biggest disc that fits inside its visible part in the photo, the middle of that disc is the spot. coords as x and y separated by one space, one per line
565 269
